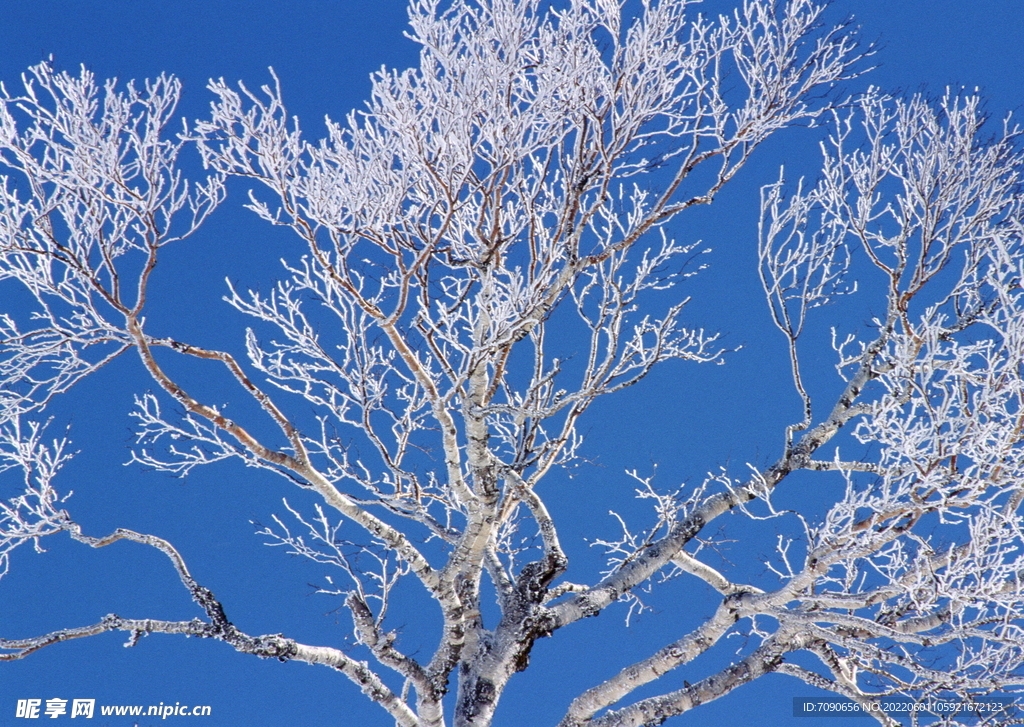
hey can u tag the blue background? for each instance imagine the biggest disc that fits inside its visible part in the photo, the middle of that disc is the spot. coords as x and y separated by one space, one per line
688 420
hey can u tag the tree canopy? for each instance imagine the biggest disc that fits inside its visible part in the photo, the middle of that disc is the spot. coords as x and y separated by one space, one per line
479 255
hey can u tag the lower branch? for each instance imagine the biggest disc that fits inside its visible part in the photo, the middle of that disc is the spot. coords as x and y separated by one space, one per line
272 646
656 710
585 706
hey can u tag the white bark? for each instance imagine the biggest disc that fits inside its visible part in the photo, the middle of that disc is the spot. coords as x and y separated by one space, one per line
439 231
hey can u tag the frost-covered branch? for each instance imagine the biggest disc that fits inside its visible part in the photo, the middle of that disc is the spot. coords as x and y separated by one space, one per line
482 253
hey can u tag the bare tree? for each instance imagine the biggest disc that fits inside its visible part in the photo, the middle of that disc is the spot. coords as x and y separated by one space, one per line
513 191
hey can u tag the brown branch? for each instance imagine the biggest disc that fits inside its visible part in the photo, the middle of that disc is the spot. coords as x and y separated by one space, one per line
261 396
395 540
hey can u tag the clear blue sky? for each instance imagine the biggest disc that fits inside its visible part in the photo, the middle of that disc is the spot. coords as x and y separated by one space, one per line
323 52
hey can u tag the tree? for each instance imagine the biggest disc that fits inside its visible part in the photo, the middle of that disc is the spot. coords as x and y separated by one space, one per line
482 253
